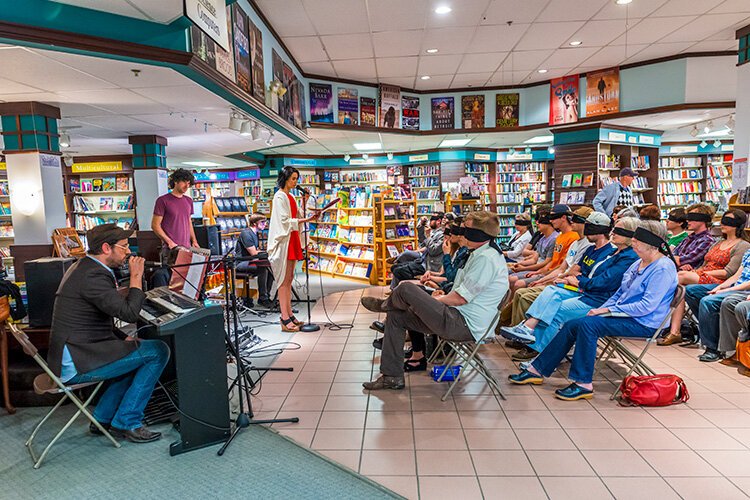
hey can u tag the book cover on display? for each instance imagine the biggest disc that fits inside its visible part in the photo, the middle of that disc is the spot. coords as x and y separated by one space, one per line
442 113
563 100
472 111
203 46
367 111
298 108
225 58
348 106
291 94
507 110
277 69
603 92
410 113
390 105
321 103
256 61
241 49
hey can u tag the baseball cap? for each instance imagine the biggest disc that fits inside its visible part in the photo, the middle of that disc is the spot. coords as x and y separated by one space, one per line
559 210
106 233
598 219
580 214
627 171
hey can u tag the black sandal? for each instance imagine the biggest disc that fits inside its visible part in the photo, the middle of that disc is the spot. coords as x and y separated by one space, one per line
285 323
420 366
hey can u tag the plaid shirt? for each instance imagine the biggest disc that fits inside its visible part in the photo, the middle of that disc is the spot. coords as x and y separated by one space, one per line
693 248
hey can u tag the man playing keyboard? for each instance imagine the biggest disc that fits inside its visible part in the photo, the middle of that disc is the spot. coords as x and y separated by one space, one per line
84 345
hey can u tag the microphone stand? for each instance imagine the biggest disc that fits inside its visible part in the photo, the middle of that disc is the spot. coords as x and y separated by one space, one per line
309 326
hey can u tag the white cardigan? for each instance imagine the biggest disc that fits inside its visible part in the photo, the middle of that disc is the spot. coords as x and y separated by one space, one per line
281 227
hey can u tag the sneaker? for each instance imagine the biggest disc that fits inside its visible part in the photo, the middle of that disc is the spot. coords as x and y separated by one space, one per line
524 354
573 392
378 326
520 333
526 377
710 356
141 434
384 382
373 304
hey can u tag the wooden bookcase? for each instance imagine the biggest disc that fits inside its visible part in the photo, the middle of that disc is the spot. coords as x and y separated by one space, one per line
389 215
425 183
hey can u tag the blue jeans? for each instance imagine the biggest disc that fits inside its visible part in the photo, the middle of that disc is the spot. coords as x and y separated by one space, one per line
706 308
554 314
132 380
584 334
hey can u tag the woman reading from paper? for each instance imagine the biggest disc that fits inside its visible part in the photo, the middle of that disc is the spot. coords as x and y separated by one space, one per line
284 246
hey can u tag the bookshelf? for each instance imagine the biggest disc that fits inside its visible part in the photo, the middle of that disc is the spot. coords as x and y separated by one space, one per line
644 160
681 182
215 189
718 178
252 191
513 181
482 172
231 216
95 196
395 231
425 184
6 223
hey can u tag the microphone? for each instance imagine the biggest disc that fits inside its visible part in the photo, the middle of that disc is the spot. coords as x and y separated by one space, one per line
305 191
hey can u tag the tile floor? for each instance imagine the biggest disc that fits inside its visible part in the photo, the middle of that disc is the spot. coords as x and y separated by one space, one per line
529 446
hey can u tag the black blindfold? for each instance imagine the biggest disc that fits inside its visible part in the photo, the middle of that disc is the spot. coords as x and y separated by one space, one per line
476 235
699 217
592 229
731 221
623 232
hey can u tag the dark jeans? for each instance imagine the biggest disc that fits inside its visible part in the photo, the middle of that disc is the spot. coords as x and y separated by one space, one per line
163 275
265 278
131 382
406 271
708 310
584 333
409 308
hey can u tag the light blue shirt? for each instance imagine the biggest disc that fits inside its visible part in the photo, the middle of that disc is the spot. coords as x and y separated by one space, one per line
745 274
645 295
68 370
483 283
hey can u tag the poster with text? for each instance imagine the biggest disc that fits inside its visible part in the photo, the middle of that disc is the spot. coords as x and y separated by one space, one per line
563 100
348 106
442 113
472 111
603 92
507 110
390 105
203 46
241 48
367 111
289 97
410 112
225 58
256 60
298 97
277 69
321 102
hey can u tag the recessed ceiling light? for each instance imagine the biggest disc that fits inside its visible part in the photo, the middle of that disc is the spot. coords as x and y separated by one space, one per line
443 9
424 77
454 143
542 71
539 139
623 2
201 163
368 146
432 51
575 43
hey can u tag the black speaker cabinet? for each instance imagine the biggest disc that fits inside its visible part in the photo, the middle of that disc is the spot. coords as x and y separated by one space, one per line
208 237
43 277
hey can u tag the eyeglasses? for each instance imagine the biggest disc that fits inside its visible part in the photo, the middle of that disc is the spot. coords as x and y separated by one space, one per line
124 247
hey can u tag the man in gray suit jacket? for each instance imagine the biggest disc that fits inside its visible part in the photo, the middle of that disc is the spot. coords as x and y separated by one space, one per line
84 345
617 193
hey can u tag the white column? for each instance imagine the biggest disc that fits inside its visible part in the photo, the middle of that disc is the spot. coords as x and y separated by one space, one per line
741 176
149 185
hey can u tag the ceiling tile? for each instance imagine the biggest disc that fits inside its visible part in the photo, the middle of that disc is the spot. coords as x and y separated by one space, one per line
525 60
119 8
500 37
410 14
653 29
465 13
404 82
447 40
33 69
287 17
570 57
548 35
470 80
397 43
736 6
535 76
685 7
183 98
355 68
598 33
570 10
11 87
508 77
120 101
634 10
518 11
657 50
333 17
713 46
348 46
318 68
436 82
438 65
306 48
163 11
478 63
702 27
613 55
397 66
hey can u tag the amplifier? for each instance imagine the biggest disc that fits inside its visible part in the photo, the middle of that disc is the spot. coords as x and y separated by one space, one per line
43 277
208 237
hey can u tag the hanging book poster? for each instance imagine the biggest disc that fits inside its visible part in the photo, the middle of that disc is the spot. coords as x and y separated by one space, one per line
321 103
390 105
298 93
603 92
277 68
367 111
442 113
203 46
410 113
225 58
507 108
563 101
472 111
241 49
256 59
288 83
348 106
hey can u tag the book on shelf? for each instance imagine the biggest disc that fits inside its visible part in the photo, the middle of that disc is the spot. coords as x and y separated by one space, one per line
640 162
97 184
609 162
680 161
108 183
5 208
6 230
106 203
567 178
123 183
577 180
588 180
86 186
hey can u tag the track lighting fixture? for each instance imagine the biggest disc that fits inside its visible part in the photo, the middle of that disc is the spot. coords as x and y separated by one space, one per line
269 141
235 121
255 131
694 131
347 157
246 128
64 141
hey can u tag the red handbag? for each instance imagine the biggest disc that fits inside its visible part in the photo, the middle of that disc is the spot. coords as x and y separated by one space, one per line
655 390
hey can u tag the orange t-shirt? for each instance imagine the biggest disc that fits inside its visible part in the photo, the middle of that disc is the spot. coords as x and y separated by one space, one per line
562 245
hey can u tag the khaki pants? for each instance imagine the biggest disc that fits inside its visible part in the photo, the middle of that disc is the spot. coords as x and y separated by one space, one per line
522 300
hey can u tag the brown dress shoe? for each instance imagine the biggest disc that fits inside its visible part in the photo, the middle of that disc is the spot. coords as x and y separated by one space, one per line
139 435
384 382
524 354
730 362
373 304
670 339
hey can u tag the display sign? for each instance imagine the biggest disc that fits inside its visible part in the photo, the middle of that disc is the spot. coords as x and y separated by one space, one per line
418 157
507 108
645 139
472 111
482 156
256 60
348 106
99 166
321 103
442 113
248 175
211 17
563 100
603 92
390 106
225 58
617 136
683 149
3 165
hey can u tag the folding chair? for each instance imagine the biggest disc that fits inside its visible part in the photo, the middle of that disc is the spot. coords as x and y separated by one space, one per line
615 346
467 351
49 383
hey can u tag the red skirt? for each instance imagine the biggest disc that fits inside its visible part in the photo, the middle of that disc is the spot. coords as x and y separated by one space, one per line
295 247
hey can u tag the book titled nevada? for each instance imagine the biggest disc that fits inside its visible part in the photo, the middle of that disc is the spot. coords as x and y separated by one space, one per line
321 103
442 113
367 111
506 110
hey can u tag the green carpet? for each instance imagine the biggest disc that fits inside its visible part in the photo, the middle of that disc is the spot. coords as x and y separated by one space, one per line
259 464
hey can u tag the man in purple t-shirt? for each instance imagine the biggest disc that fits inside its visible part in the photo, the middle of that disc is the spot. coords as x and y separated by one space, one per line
171 219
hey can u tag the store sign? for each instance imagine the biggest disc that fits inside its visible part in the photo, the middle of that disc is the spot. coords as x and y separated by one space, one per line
727 147
418 158
633 139
214 176
617 136
211 17
3 165
362 161
49 161
683 149
302 162
98 166
645 139
248 175
519 156
481 156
